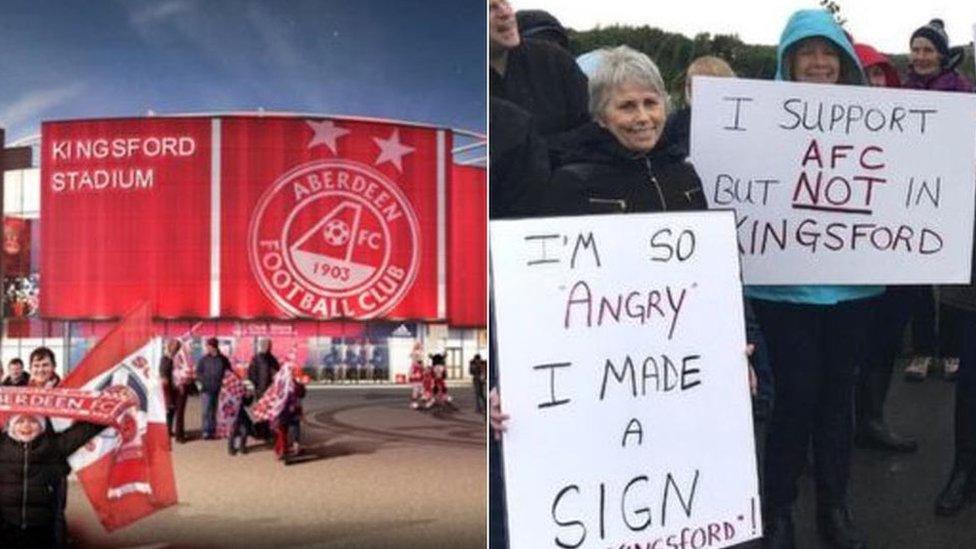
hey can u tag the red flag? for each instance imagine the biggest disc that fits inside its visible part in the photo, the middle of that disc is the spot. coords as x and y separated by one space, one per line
126 477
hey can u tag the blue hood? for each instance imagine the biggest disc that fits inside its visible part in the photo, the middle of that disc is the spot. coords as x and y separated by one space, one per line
808 23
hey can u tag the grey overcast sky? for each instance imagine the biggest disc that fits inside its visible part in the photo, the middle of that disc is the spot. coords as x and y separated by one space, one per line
885 24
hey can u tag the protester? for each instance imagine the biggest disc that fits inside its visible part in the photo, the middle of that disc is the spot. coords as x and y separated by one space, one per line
210 375
932 66
542 25
16 376
890 312
166 379
932 63
677 134
33 464
42 366
478 375
535 75
877 67
677 130
614 164
519 162
934 334
937 71
961 485
816 337
590 61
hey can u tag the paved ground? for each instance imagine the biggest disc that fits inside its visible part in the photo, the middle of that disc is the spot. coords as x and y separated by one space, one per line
894 495
377 475
381 475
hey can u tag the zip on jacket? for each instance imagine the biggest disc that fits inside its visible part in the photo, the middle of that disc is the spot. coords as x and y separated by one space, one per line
655 184
619 202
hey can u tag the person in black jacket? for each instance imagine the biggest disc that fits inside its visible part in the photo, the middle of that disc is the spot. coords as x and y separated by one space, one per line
960 488
210 375
262 368
615 164
33 460
537 76
261 372
519 162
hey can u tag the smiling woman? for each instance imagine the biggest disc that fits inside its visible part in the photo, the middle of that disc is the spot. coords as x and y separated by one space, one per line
619 163
816 335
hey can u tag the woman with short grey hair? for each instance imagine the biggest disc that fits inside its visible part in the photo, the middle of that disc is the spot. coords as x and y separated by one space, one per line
618 66
618 163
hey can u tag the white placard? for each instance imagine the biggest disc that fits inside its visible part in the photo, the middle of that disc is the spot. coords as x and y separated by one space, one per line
621 353
840 184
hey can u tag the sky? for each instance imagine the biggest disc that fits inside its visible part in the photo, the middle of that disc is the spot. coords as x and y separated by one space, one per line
885 24
414 61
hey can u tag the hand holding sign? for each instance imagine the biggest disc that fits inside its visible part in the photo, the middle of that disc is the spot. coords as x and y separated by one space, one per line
498 419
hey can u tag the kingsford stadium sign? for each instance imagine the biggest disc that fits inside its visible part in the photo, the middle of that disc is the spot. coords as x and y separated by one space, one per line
243 216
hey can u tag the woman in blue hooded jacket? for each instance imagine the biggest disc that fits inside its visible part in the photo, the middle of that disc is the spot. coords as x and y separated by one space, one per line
816 335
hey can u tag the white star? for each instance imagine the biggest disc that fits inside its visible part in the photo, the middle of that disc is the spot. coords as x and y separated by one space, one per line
326 133
391 150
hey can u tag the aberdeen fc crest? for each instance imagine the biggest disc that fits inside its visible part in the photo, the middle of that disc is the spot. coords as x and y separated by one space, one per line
334 238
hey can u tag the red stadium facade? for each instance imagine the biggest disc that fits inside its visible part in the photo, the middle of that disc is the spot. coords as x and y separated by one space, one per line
344 240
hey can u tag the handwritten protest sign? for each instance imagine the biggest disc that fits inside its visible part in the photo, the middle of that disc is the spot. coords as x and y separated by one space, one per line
620 345
840 184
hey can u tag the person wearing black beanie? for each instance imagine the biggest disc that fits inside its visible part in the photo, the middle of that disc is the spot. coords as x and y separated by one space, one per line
935 33
932 62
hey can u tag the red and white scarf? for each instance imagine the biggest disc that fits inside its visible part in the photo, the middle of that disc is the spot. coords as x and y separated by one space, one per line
183 371
229 403
108 407
272 404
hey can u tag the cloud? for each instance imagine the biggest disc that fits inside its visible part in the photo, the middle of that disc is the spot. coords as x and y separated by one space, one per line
31 106
143 14
277 35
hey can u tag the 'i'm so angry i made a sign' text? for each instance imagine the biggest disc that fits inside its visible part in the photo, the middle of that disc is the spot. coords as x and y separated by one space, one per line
621 353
